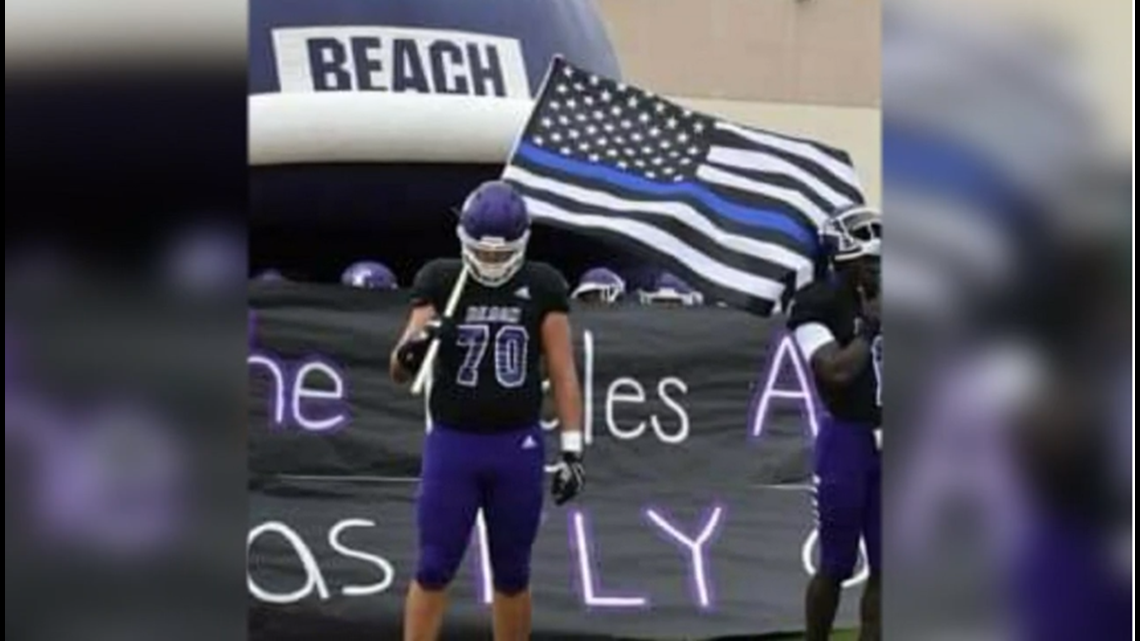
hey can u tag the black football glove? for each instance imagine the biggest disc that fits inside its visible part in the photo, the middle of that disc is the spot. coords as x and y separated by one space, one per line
412 352
569 478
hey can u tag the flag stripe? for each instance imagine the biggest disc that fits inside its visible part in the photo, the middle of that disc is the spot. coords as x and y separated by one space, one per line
652 237
703 198
755 161
683 235
746 254
731 180
711 291
840 169
663 210
690 209
850 193
833 152
781 182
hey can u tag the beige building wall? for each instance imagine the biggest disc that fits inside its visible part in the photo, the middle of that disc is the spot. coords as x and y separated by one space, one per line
802 67
797 51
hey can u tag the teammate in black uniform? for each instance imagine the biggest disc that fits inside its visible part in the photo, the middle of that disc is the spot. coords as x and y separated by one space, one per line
835 322
485 449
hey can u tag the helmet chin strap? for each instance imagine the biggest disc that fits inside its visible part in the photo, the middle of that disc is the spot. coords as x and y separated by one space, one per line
492 276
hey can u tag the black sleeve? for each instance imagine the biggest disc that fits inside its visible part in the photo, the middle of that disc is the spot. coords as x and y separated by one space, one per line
427 288
811 304
555 291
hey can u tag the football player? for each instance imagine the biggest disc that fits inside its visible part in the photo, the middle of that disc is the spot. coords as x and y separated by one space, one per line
835 323
485 449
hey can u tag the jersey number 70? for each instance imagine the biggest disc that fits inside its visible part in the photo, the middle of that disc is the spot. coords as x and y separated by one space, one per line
510 345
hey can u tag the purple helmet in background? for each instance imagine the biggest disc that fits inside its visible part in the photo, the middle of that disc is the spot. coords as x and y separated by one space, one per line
600 285
494 227
369 275
671 290
270 276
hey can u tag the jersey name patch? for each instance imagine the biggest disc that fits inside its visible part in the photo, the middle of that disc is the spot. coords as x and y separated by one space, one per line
493 314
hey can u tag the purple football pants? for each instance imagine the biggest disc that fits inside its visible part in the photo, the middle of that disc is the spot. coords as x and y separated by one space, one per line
463 472
848 470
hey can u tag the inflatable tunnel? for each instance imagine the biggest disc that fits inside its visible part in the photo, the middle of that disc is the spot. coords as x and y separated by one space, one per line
370 121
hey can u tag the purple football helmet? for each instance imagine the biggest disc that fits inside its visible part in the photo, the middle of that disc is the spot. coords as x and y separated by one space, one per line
670 290
369 275
601 285
494 227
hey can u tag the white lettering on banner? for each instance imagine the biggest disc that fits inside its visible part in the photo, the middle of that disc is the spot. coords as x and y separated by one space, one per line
399 60
786 354
615 395
302 392
696 549
627 391
380 562
682 433
314 578
277 402
305 401
583 542
811 548
591 590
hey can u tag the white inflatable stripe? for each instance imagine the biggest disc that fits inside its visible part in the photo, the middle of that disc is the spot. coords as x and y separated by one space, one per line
332 127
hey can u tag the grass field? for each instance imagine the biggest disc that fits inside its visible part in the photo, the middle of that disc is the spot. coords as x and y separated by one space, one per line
838 635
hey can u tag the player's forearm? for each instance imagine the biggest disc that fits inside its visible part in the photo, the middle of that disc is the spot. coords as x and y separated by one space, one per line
568 403
399 374
421 317
843 365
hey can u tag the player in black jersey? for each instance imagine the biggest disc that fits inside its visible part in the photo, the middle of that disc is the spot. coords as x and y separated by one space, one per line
835 322
485 449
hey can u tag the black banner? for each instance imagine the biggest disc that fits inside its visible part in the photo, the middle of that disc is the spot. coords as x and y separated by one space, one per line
696 522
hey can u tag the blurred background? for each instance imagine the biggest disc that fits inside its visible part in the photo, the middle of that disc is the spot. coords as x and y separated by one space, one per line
125 256
1006 177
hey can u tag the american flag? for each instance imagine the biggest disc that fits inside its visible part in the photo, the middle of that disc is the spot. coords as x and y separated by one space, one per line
731 209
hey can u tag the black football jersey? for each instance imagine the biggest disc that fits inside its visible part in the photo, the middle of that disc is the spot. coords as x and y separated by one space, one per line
825 303
489 377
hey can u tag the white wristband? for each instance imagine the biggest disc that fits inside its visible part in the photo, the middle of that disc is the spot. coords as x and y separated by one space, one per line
572 441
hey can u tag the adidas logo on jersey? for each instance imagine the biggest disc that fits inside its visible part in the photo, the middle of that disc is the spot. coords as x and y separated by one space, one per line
523 293
529 443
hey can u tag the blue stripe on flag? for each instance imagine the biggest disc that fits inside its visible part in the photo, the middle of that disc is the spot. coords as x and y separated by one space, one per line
760 218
